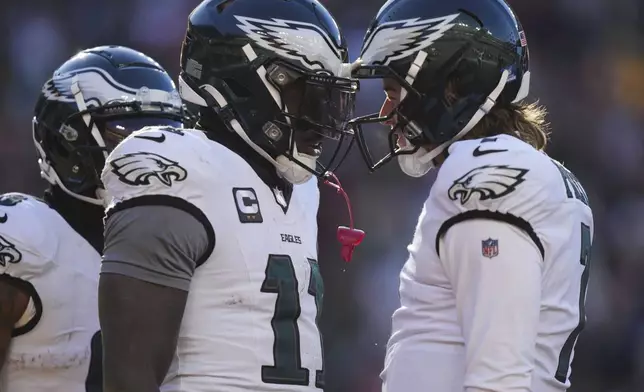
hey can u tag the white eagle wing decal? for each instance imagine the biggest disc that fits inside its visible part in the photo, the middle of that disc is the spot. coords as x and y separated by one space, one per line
97 87
140 168
59 88
300 41
488 182
395 40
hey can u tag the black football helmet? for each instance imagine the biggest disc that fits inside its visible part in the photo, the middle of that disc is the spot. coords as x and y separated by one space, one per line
478 46
274 72
92 102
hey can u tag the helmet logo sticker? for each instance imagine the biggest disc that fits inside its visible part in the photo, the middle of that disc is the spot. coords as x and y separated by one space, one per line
395 40
99 87
303 42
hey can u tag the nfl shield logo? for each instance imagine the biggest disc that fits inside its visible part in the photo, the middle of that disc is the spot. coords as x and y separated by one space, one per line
522 39
490 248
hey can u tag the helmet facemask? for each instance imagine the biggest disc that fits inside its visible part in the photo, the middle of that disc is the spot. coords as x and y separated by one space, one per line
315 108
403 138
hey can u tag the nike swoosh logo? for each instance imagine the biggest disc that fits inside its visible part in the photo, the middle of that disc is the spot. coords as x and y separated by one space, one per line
4 218
478 152
158 139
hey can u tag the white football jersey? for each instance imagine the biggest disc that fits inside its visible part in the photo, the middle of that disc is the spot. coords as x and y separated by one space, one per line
250 320
52 345
492 295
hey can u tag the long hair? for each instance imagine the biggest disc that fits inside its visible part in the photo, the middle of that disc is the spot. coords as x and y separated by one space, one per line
525 121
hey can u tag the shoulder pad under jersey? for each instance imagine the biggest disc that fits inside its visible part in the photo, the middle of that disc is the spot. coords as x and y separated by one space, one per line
158 161
501 174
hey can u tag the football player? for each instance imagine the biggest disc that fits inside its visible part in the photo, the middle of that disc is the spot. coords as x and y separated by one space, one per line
50 248
210 277
492 295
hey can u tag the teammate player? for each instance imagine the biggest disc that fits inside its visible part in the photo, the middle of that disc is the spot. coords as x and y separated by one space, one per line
49 249
492 295
209 277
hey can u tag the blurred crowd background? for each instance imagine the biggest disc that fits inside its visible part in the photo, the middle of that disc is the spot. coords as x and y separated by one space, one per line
588 69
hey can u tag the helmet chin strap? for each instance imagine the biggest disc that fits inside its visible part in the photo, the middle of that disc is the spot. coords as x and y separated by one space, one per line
48 173
422 161
87 119
285 167
291 171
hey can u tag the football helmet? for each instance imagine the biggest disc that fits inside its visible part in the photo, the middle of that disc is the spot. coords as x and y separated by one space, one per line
92 102
477 47
274 72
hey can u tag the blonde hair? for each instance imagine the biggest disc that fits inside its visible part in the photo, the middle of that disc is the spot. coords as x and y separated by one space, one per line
525 121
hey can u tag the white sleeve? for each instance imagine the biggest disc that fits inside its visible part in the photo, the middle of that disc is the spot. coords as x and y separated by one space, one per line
29 239
498 302
169 169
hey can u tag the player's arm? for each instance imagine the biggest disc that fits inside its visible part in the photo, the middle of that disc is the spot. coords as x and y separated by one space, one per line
498 302
13 303
152 246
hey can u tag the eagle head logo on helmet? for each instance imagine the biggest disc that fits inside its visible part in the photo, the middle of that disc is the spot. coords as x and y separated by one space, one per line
489 182
140 168
8 253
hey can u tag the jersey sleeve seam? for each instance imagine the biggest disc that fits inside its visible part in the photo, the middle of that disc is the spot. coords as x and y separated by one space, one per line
511 219
29 289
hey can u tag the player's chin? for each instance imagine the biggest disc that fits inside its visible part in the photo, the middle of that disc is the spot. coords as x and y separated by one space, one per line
309 143
401 141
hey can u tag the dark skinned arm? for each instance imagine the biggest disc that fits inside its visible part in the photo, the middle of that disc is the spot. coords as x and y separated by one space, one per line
13 303
143 288
140 324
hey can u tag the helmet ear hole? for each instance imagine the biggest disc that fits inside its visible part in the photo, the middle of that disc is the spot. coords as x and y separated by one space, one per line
52 142
60 151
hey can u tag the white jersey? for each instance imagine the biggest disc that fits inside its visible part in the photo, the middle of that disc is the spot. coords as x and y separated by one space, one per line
52 345
250 319
492 295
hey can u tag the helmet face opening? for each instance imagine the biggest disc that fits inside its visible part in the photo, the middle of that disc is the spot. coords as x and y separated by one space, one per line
316 110
401 138
321 103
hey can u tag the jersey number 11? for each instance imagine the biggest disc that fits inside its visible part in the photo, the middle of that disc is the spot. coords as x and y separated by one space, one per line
281 280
